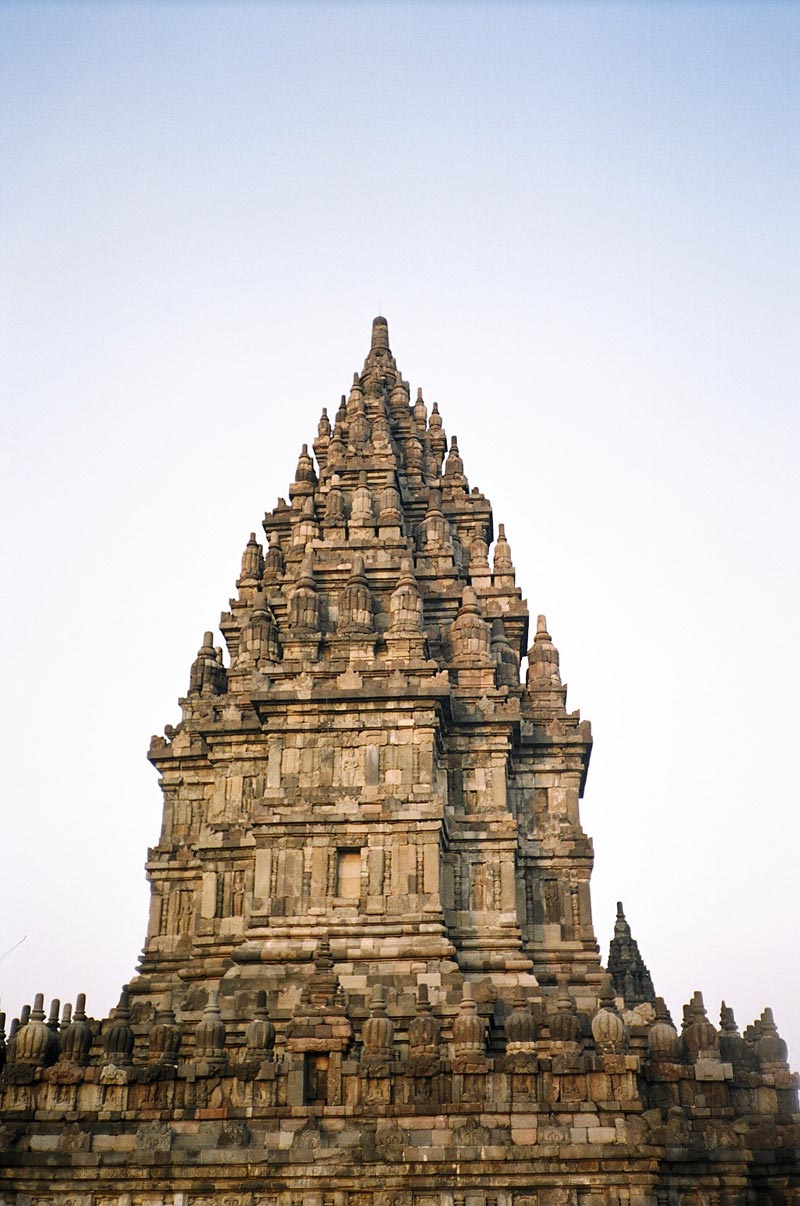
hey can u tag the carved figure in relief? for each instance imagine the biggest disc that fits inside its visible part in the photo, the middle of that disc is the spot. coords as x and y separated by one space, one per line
185 911
552 902
478 894
238 893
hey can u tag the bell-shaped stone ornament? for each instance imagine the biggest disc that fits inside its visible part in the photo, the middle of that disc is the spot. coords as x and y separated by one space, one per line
305 468
362 511
390 513
700 1038
260 1033
210 1035
469 1028
507 673
335 510
324 425
470 635
608 1028
502 553
424 1032
165 1039
520 1027
303 611
252 563
663 1040
543 662
207 675
453 466
420 411
405 605
274 564
356 603
732 1047
258 643
565 1024
771 1049
32 1040
76 1036
377 1033
119 1039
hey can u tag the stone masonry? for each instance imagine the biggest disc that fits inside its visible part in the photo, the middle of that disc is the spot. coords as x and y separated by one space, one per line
370 976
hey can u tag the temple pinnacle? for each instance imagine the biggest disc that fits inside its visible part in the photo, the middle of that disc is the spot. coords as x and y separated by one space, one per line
380 334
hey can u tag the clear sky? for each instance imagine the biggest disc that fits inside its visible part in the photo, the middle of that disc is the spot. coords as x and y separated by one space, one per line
582 224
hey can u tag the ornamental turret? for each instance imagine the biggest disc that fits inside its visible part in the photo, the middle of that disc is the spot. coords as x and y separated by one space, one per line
119 1039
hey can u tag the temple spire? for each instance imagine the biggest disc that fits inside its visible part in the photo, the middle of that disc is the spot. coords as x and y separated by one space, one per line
627 967
380 334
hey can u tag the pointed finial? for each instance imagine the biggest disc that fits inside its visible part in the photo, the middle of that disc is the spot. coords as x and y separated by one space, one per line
543 663
420 410
502 553
454 466
621 927
305 471
380 334
503 652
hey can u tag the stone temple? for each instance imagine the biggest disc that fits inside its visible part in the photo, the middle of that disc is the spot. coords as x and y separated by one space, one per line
370 976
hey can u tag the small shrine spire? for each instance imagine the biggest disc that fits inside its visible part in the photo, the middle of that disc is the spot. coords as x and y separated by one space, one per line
627 968
543 664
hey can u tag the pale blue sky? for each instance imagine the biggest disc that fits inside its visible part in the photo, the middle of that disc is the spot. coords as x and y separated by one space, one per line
581 222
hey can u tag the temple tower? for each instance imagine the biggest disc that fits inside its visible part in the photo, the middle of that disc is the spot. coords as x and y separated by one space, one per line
366 765
370 976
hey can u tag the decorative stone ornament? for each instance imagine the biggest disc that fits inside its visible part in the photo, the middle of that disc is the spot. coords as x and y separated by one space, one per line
663 1040
378 1030
469 1028
252 563
260 1034
520 1028
165 1039
608 1028
700 1036
76 1038
565 1025
209 1035
543 667
424 1032
32 1040
119 1039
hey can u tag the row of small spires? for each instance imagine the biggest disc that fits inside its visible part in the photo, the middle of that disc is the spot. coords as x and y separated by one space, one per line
390 403
434 533
423 448
34 1042
473 641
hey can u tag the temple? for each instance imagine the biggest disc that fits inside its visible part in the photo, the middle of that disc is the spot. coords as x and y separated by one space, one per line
370 975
